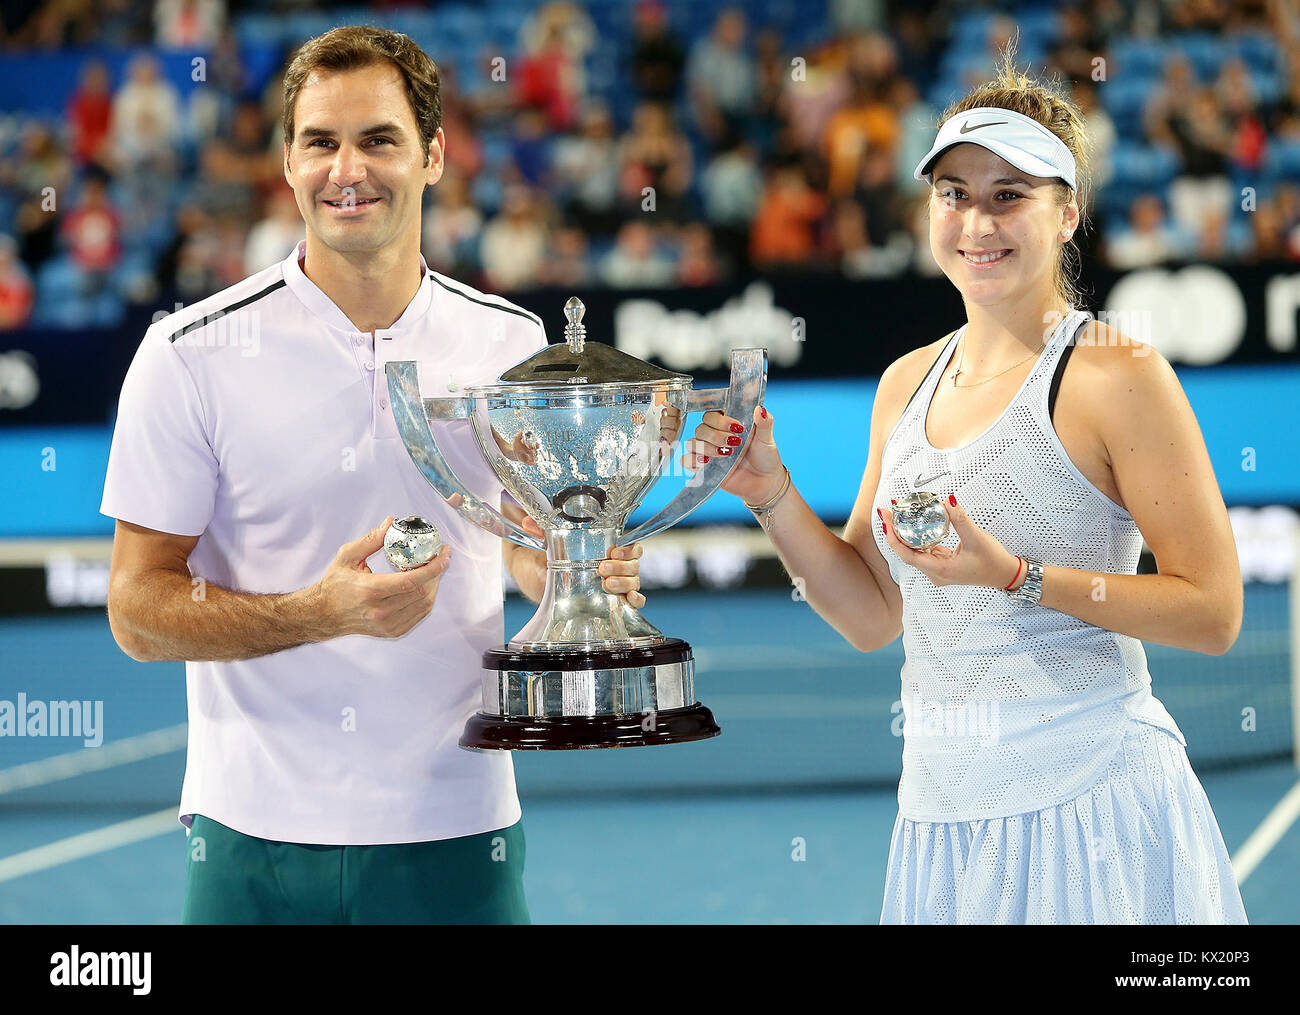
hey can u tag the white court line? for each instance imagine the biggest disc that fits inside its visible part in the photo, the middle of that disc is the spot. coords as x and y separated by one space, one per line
1267 835
118 752
77 847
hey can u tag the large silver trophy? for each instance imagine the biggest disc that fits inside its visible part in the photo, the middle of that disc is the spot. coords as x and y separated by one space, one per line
578 433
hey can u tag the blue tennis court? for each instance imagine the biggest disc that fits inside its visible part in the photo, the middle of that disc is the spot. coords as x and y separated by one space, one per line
784 818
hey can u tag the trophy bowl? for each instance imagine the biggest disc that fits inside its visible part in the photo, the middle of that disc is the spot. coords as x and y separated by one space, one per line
578 433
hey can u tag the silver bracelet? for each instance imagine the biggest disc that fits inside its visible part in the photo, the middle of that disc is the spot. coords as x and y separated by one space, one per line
761 511
1031 589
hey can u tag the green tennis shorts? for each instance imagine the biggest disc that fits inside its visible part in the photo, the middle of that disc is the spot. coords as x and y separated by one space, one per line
231 877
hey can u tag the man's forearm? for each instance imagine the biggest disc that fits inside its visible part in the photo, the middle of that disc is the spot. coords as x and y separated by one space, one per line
170 616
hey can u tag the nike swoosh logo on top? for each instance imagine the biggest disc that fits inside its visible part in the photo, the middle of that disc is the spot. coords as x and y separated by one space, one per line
921 482
966 128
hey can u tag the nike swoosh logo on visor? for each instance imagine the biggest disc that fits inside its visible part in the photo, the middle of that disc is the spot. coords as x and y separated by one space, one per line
966 128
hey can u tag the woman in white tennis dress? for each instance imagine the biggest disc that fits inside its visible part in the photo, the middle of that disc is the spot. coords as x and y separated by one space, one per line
1042 781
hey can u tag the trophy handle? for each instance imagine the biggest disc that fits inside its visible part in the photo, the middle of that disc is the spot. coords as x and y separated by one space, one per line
412 415
738 399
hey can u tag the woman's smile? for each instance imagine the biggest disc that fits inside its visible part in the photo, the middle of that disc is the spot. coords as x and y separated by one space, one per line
986 259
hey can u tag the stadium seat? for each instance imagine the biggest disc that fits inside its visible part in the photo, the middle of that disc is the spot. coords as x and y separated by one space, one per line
1282 160
1148 166
1260 51
1268 86
1039 27
58 300
1132 59
971 25
1126 96
1204 51
259 29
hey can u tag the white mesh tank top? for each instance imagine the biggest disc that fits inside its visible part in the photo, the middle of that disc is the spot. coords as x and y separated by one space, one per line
1008 708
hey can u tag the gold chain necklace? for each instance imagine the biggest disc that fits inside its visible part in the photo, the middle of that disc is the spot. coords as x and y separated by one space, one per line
962 359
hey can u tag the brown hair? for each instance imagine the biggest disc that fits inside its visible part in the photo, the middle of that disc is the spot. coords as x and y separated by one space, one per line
1047 103
352 47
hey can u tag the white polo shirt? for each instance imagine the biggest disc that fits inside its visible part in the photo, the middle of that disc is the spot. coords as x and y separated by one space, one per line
267 433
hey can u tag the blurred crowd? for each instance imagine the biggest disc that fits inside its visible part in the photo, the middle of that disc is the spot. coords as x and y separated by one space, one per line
709 158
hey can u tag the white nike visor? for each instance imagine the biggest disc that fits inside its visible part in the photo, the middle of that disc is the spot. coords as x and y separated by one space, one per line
1022 141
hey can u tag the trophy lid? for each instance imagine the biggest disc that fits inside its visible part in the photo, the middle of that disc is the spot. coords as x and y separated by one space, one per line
578 361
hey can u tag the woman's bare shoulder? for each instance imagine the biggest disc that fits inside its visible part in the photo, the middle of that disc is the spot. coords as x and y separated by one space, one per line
1112 372
1106 364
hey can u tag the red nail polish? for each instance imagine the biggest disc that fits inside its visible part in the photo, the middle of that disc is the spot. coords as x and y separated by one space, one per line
883 527
704 459
952 500
724 451
764 411
892 501
880 514
734 441
737 428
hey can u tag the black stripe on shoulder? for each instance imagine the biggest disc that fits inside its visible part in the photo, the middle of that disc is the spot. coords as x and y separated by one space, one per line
517 311
216 315
1060 368
926 375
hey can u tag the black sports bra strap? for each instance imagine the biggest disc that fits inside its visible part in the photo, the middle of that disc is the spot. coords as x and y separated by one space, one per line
946 340
1060 367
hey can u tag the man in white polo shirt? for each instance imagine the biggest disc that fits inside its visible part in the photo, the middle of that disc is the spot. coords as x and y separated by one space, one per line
254 441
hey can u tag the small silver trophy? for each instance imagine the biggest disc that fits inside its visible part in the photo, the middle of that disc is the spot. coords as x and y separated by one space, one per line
411 542
920 520
577 433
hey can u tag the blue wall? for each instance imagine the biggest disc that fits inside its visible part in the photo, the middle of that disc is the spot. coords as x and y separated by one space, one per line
822 428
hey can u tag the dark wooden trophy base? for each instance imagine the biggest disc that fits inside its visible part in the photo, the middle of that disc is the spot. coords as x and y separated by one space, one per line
644 728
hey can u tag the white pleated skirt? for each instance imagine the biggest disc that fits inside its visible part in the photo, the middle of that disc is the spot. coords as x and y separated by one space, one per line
1142 846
